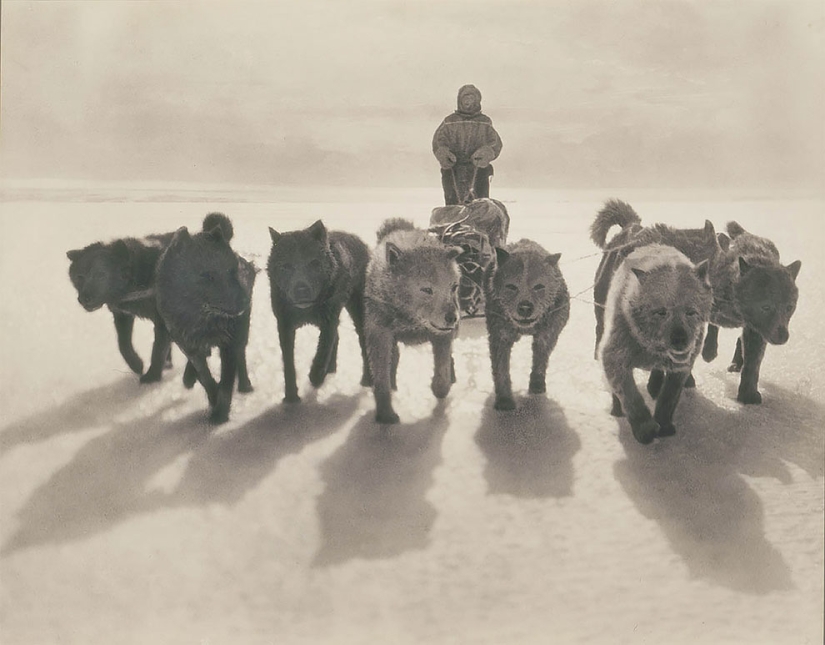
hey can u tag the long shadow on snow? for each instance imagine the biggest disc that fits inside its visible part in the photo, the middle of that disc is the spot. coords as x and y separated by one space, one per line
105 483
692 484
374 502
529 451
81 412
225 467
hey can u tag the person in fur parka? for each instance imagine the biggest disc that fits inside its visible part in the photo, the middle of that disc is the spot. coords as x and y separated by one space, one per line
465 143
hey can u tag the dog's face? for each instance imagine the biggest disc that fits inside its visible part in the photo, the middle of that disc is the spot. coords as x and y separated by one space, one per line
767 297
526 285
99 273
425 286
670 309
203 277
301 264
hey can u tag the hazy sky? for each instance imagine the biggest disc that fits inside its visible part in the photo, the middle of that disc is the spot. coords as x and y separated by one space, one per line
584 94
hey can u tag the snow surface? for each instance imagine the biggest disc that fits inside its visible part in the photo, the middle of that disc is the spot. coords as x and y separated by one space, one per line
126 518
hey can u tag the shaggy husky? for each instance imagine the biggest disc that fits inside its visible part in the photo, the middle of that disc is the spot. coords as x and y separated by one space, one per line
657 307
525 295
313 275
204 294
411 296
754 291
121 275
751 289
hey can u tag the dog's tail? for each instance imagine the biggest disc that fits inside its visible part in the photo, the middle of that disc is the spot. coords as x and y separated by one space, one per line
219 219
394 224
735 230
614 213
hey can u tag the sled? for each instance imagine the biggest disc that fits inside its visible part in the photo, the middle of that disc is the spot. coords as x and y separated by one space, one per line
477 228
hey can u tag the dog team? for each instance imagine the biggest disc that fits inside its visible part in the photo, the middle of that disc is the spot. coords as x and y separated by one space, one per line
660 296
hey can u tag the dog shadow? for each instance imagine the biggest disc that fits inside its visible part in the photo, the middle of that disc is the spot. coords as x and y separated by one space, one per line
529 451
374 502
225 467
693 485
106 481
83 411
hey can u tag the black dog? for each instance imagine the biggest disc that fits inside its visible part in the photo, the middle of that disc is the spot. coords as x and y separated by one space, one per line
313 275
121 275
204 294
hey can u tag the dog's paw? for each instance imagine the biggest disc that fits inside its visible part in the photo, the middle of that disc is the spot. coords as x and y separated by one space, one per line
292 398
504 403
646 431
366 380
749 397
152 376
219 416
317 376
537 385
245 387
135 364
386 418
667 430
441 388
734 367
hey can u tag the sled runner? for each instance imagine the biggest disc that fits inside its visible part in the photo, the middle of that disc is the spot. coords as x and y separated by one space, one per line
477 228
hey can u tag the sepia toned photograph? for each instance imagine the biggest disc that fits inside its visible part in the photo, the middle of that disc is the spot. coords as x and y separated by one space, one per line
416 322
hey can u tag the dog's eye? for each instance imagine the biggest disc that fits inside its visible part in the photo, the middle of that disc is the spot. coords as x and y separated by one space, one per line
789 308
692 312
767 308
207 276
660 313
454 288
511 287
538 287
427 290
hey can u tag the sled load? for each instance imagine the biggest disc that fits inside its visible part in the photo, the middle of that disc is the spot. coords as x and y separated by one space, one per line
477 228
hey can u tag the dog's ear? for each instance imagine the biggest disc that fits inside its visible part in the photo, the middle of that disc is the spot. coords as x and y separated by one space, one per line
709 231
180 238
275 235
735 230
553 259
702 272
393 254
744 267
723 240
453 252
501 256
318 231
640 275
794 267
74 254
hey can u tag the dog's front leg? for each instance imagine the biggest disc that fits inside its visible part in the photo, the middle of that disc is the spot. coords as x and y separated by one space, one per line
543 344
380 344
160 352
501 346
124 323
753 350
668 399
241 340
443 366
286 336
229 369
711 347
327 342
625 390
201 367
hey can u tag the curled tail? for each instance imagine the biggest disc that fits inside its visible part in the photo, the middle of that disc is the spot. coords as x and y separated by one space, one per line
734 229
394 224
219 219
614 213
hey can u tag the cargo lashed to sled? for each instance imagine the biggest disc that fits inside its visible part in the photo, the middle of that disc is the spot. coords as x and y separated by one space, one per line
478 228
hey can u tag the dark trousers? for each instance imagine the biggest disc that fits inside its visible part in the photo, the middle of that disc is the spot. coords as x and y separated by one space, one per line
463 174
